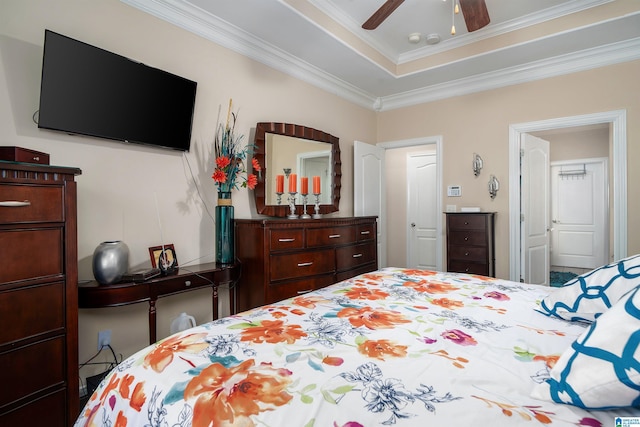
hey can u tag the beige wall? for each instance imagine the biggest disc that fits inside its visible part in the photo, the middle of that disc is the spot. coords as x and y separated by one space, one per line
480 123
117 190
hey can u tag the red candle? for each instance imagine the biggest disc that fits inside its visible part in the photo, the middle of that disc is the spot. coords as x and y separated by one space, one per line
304 185
316 185
293 183
279 183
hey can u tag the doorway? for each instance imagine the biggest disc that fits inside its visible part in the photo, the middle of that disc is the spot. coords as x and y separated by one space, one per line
373 193
618 206
579 215
422 215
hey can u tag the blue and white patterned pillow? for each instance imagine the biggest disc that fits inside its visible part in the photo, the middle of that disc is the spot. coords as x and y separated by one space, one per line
586 297
601 369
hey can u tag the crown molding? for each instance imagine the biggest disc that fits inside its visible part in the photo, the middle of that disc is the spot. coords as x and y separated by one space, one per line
184 15
566 64
203 24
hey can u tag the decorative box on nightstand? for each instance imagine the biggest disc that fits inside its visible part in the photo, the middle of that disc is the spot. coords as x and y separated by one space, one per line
19 154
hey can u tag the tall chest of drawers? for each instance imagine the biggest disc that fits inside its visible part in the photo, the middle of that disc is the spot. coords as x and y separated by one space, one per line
470 243
282 258
38 295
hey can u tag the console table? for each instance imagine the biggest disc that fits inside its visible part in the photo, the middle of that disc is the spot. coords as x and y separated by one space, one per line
95 295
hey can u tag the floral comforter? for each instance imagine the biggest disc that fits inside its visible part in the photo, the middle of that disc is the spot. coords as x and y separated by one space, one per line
395 347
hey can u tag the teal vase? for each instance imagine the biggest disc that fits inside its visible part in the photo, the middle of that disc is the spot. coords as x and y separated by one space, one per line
225 236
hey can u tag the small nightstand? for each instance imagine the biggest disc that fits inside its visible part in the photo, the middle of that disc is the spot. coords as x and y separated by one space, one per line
470 242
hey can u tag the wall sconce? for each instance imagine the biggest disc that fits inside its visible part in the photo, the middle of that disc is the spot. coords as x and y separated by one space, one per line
477 164
494 186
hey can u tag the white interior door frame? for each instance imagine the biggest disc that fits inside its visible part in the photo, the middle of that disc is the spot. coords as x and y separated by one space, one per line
429 140
618 122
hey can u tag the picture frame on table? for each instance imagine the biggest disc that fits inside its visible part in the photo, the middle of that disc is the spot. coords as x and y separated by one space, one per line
164 257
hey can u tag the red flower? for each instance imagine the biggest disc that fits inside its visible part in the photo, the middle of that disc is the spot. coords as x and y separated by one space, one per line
252 181
222 162
256 164
219 176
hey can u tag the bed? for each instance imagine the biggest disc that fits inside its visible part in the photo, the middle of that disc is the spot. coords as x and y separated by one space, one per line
394 347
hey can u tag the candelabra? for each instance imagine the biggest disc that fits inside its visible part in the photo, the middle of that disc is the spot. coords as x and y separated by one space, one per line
317 214
292 205
304 215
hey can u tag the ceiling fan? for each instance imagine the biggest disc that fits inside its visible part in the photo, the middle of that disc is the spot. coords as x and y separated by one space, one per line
475 14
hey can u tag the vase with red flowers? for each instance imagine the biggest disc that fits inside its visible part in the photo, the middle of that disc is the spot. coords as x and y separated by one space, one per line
230 173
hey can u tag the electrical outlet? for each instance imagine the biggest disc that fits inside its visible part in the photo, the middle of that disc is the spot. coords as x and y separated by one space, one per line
104 339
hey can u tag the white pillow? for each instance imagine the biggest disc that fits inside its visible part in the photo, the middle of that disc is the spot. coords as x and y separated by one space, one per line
586 297
601 369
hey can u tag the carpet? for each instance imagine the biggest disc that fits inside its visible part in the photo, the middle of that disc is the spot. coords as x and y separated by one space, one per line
559 278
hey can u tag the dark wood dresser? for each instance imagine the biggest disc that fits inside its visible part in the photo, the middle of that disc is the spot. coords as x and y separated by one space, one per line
282 258
38 295
470 242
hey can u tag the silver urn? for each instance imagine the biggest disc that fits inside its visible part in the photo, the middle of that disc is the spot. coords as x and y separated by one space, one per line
110 262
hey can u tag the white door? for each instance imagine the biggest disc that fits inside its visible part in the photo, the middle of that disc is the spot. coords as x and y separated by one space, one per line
579 207
422 211
534 199
369 190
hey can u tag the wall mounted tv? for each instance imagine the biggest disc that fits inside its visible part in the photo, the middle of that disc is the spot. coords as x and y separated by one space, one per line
89 91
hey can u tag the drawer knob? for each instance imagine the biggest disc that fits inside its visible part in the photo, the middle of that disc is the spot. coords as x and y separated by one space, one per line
306 291
466 270
466 223
15 204
187 283
466 238
290 239
357 255
466 254
365 232
305 264
334 236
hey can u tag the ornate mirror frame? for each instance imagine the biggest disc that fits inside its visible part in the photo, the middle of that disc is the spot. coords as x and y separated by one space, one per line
296 131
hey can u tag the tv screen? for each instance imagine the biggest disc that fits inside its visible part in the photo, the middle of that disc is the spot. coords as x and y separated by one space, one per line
89 91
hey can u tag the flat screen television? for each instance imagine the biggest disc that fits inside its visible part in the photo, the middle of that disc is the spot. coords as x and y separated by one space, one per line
89 91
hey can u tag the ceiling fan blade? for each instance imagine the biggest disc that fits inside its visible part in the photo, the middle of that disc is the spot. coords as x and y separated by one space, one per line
381 14
475 14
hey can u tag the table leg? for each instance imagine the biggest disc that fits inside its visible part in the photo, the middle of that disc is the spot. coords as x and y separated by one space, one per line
152 321
215 301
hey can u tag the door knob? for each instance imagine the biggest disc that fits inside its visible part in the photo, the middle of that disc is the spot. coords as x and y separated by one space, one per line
413 224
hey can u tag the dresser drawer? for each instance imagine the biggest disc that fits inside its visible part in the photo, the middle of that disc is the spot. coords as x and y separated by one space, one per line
286 239
301 264
469 267
53 405
348 274
366 232
466 238
31 253
330 236
468 253
44 358
353 256
21 203
283 290
31 311
467 222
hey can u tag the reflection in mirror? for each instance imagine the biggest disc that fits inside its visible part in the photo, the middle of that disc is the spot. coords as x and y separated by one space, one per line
285 148
286 155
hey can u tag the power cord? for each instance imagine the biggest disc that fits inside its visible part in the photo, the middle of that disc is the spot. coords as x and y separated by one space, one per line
110 366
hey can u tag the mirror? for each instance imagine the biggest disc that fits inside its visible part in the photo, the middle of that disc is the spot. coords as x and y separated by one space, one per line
306 152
